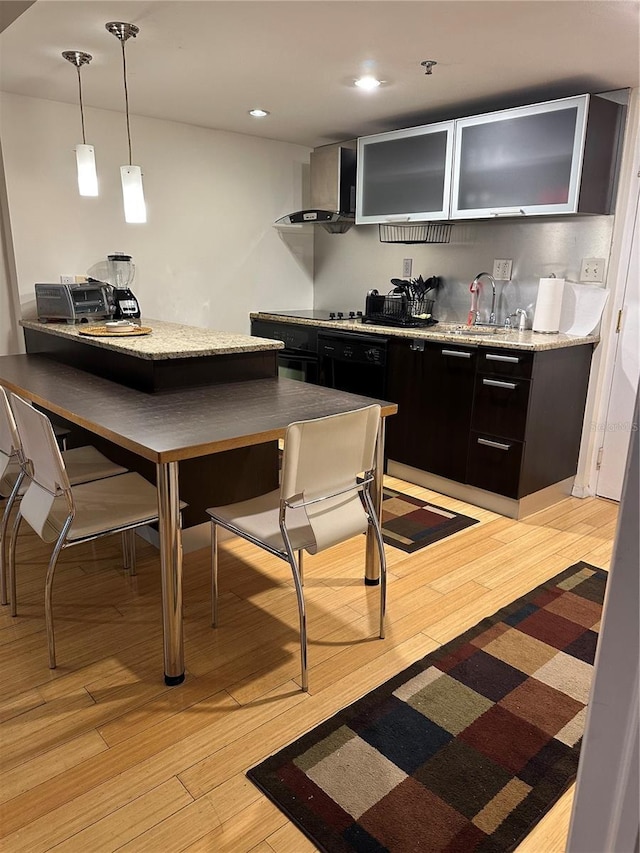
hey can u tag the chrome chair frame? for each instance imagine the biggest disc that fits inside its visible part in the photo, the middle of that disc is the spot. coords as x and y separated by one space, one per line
288 554
66 490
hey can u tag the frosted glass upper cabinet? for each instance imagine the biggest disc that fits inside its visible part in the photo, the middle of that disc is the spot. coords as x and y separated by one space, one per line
555 157
405 175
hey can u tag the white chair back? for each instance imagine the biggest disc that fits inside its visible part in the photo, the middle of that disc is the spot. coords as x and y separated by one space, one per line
9 445
322 459
47 475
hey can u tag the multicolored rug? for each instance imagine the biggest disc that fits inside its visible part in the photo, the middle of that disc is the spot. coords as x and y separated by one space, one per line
466 749
410 523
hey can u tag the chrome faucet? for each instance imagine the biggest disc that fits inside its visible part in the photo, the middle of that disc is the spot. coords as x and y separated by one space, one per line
492 315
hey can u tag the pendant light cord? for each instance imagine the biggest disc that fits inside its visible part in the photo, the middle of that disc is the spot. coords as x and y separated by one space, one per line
84 139
126 99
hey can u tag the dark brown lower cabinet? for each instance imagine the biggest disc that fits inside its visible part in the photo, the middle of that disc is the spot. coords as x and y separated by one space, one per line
506 421
433 386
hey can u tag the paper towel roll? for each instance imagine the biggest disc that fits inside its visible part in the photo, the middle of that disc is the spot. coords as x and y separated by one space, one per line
548 305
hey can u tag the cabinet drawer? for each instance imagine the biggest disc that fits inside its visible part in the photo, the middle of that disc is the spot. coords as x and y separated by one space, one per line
505 362
500 406
494 464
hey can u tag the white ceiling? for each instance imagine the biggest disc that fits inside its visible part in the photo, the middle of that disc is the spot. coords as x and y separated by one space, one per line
207 62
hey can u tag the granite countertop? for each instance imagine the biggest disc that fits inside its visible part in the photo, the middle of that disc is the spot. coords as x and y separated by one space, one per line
452 333
167 340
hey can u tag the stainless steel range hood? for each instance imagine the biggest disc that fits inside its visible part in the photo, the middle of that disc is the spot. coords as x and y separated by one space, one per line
333 189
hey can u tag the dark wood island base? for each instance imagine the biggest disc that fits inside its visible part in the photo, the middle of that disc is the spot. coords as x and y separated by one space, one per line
219 478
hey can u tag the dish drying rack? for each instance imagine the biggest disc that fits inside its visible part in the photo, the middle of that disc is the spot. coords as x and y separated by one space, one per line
398 309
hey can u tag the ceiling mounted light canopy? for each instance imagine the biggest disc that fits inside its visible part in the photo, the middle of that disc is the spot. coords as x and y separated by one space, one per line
135 209
258 113
428 64
85 155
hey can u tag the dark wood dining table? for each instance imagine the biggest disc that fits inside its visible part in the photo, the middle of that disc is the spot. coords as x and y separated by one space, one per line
175 425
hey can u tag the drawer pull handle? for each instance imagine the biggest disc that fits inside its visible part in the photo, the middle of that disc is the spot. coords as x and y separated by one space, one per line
456 353
496 383
497 444
512 359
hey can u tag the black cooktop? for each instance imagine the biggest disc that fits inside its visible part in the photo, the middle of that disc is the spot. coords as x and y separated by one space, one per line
318 314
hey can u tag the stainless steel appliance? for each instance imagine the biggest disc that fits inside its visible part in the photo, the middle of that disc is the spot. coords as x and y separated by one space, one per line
333 189
75 303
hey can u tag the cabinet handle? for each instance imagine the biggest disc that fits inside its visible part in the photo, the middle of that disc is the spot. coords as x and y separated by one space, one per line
512 359
497 444
496 383
397 219
456 353
516 210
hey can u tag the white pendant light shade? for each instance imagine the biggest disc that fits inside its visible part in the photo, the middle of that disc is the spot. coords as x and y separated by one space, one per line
87 175
135 209
85 155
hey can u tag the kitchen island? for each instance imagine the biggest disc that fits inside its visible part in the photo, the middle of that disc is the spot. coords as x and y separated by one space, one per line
172 357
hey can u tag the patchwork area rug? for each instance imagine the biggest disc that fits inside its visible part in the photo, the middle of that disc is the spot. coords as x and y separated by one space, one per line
410 523
463 751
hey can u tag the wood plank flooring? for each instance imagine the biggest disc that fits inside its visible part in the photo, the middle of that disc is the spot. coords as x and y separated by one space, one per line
99 755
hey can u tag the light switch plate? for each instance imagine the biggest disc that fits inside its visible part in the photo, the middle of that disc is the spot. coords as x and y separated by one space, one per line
407 266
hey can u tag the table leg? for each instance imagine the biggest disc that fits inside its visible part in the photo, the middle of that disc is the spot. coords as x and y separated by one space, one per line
372 562
171 571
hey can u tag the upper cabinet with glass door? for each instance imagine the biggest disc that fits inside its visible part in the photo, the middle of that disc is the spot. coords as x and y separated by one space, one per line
405 175
552 158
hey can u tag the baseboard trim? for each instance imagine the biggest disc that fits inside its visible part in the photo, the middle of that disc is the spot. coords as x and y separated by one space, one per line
508 507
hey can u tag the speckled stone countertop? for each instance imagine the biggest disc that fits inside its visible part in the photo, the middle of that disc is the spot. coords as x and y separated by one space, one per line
449 333
167 340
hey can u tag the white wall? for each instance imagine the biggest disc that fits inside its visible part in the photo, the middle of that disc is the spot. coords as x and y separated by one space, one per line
208 254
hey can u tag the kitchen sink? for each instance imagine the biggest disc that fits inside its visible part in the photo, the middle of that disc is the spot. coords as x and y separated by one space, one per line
480 331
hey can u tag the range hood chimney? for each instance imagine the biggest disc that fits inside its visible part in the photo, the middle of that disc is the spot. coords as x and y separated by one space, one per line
333 189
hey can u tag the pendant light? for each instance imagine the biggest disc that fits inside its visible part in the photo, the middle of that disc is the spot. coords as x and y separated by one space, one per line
85 155
135 209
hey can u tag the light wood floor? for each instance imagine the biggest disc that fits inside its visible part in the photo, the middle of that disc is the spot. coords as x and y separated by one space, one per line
99 755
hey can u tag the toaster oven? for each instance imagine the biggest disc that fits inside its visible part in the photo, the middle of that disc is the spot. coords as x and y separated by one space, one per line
75 303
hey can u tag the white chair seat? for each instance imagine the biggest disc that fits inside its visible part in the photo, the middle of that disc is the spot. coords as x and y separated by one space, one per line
258 517
102 505
83 464
86 463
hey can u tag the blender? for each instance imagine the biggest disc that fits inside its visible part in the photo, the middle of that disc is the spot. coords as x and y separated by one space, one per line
121 273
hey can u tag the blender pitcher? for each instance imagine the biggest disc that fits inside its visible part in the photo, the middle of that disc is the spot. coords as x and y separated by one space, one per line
121 273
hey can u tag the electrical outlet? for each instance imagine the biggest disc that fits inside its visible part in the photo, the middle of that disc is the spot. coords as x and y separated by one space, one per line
502 269
407 266
592 269
67 279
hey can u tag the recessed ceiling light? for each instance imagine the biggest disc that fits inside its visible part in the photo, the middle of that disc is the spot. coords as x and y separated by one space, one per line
257 113
368 82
